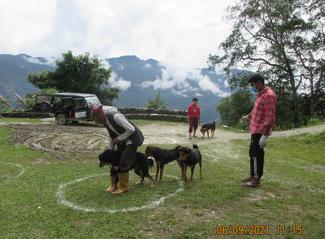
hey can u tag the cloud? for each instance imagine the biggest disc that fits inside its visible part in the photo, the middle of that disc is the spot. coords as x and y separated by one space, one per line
181 32
25 24
178 79
180 93
48 61
147 65
119 82
206 84
164 83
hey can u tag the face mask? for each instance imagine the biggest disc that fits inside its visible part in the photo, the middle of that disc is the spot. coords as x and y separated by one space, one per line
254 90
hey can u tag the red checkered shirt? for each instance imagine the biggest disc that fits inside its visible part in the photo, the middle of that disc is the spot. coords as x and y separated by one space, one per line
263 114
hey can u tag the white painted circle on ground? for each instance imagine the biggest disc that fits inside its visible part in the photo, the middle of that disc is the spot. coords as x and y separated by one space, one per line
21 170
153 204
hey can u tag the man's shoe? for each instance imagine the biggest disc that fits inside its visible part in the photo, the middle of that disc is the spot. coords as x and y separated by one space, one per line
123 184
254 183
247 179
113 187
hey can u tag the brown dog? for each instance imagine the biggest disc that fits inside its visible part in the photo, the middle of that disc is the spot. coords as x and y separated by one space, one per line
205 128
189 158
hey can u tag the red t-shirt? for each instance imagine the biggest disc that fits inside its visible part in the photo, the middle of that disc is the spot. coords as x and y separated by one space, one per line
193 111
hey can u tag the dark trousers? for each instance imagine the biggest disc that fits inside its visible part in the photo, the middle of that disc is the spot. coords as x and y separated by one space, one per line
256 155
193 124
127 159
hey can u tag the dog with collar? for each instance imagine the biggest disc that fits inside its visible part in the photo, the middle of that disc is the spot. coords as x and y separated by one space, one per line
188 158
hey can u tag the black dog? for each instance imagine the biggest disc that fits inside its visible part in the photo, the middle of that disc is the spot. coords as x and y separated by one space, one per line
162 157
189 158
205 128
141 165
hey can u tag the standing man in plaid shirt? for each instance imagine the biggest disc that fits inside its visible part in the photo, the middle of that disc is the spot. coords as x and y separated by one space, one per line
262 119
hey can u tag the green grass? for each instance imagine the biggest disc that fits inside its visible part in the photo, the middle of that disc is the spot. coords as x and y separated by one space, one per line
292 193
18 120
316 121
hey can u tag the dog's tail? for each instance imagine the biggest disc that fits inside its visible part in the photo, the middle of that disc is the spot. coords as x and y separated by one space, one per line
195 146
150 161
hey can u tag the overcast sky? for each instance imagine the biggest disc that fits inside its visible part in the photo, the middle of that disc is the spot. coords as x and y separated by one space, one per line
179 33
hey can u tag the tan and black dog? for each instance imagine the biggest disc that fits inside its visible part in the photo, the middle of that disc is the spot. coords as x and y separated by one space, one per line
189 158
162 157
205 128
140 167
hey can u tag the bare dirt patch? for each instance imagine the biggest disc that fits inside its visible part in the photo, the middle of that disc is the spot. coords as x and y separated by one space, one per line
78 139
259 195
37 161
54 138
91 139
314 167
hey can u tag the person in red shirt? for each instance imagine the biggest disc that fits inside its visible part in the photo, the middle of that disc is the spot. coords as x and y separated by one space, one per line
193 115
262 119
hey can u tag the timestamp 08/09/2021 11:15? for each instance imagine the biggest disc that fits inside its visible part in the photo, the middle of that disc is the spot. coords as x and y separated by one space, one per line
280 229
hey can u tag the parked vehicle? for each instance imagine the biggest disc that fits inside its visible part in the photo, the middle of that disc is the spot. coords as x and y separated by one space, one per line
67 107
43 103
72 107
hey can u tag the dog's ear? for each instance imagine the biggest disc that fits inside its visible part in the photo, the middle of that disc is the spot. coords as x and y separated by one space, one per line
184 150
195 146
101 156
179 148
149 149
107 155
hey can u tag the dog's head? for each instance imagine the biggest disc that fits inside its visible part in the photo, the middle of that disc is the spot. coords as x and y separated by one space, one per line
203 129
184 152
149 152
106 157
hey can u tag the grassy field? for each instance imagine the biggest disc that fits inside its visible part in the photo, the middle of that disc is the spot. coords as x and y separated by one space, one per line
291 196
18 120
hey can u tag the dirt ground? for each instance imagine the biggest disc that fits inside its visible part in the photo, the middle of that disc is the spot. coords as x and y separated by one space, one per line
86 139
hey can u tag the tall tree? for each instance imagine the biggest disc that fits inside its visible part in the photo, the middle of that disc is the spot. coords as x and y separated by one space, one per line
279 38
83 73
156 103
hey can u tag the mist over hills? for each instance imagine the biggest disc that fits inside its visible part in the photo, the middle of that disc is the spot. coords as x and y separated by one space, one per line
138 80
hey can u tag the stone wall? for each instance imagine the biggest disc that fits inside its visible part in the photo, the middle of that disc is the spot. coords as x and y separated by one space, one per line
152 114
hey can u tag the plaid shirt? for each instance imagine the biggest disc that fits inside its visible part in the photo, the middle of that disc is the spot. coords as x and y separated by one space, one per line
263 114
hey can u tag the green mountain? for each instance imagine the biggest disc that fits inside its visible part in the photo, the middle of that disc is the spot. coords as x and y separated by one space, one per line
14 70
138 80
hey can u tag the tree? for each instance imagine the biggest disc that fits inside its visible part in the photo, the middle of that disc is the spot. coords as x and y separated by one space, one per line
283 39
83 73
233 107
156 103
